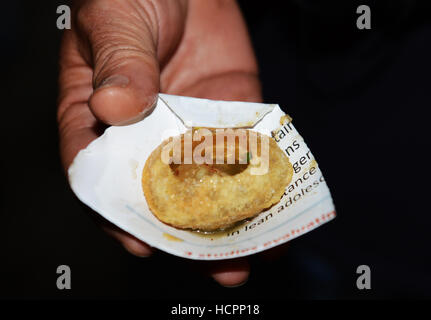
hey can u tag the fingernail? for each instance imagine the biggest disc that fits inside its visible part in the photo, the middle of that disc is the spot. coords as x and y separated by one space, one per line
140 116
137 253
143 256
133 120
237 285
136 248
232 286
114 81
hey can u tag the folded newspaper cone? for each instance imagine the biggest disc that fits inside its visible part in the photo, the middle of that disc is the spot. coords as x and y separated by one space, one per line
106 176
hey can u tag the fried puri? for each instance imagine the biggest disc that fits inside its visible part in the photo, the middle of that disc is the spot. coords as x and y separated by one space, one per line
213 196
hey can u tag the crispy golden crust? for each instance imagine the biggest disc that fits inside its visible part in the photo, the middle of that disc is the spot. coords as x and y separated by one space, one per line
206 197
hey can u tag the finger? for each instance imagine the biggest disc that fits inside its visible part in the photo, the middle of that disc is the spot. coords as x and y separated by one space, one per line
77 125
121 42
129 242
230 273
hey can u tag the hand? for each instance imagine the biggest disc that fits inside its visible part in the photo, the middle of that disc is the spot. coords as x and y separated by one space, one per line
120 54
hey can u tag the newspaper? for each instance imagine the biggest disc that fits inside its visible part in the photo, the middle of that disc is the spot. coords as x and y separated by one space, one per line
106 176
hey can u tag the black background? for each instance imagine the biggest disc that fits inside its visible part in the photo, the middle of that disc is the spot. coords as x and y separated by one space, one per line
360 98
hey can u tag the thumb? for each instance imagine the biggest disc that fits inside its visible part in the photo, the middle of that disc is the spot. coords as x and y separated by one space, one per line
126 94
121 47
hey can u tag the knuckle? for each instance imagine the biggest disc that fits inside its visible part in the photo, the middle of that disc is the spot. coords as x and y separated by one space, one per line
74 118
68 98
114 55
115 32
72 89
88 13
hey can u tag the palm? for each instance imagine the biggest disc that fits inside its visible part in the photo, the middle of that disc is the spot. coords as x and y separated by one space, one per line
210 63
192 48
